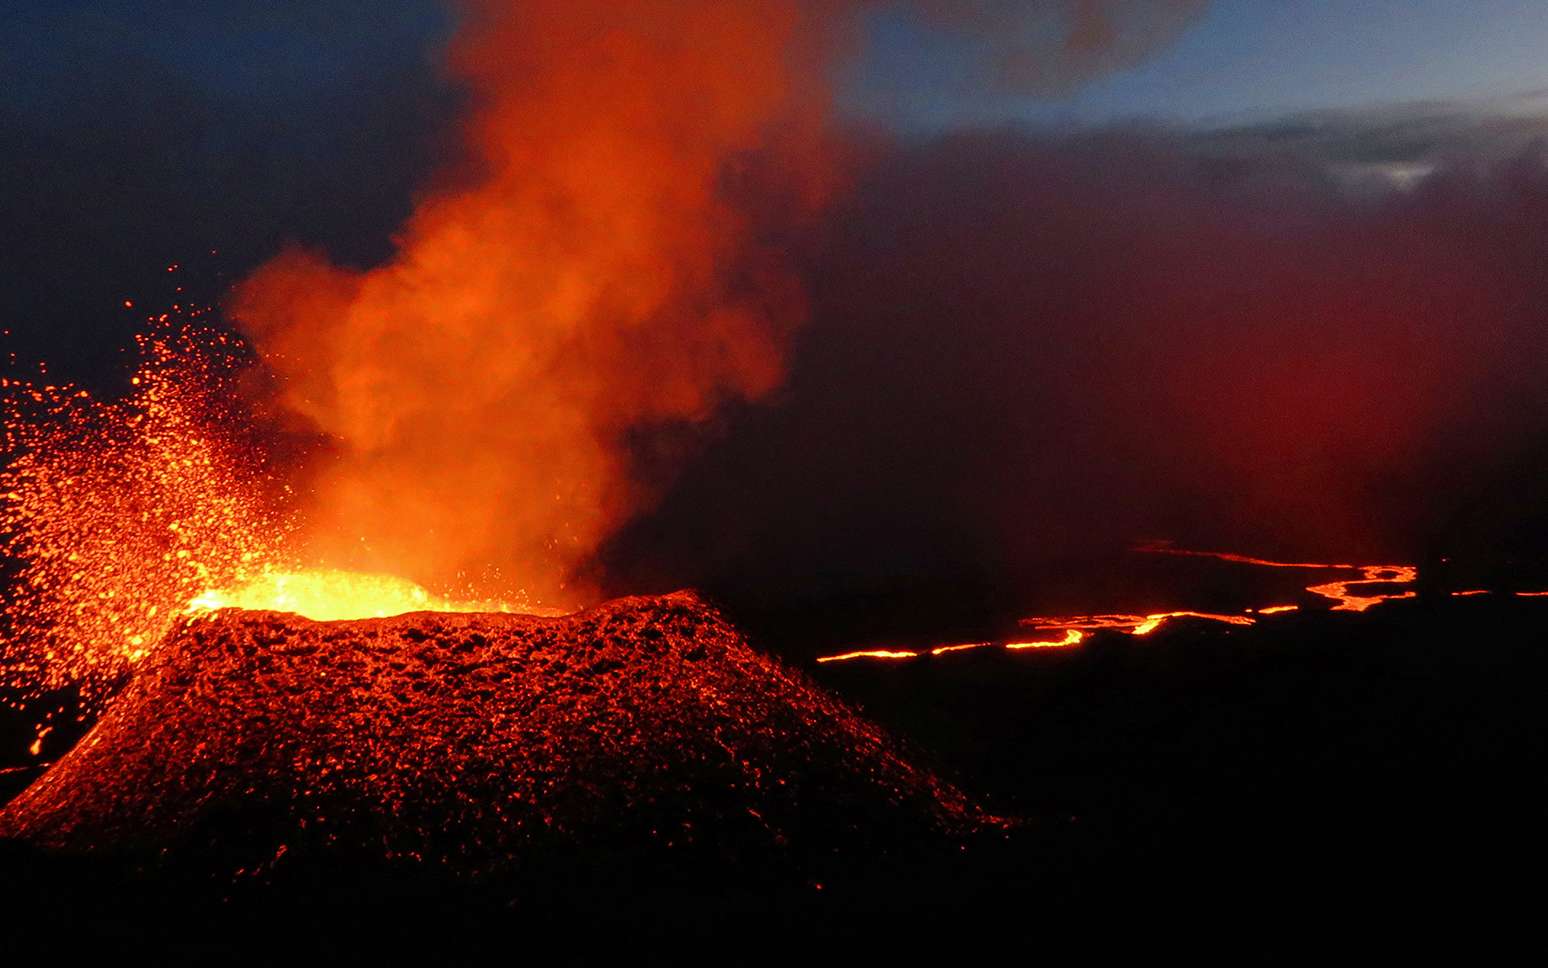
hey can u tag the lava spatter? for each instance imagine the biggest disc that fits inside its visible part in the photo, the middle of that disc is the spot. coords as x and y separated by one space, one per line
116 513
122 516
476 740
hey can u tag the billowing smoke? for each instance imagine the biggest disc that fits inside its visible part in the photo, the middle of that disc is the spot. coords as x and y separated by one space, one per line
610 258
589 270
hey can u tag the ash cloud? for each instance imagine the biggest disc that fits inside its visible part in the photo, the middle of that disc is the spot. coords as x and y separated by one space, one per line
153 136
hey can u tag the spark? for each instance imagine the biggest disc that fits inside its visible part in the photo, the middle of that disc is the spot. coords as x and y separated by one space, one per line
118 512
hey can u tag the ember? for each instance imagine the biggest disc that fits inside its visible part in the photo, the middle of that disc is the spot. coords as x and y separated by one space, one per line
124 516
118 513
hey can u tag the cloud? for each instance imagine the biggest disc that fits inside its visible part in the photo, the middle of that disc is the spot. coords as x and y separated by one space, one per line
1395 144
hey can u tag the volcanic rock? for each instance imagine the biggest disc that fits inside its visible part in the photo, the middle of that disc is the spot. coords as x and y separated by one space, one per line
476 742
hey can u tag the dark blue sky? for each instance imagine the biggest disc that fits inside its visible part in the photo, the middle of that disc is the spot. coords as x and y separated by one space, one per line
1240 57
1243 57
281 48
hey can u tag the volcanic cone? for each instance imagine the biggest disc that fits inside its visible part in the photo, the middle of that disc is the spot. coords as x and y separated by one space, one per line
477 741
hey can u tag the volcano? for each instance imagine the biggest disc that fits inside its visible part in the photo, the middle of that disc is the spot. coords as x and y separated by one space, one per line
476 743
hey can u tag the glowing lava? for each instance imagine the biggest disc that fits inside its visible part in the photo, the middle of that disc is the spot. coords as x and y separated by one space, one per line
1373 586
1347 600
1071 637
326 595
117 513
123 517
872 654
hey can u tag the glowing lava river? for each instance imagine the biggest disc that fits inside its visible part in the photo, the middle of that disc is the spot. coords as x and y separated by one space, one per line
1364 588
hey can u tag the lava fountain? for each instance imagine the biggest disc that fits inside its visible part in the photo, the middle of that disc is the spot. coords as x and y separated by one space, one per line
122 517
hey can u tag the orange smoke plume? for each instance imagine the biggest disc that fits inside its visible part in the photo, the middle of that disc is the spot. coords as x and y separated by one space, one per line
607 261
591 272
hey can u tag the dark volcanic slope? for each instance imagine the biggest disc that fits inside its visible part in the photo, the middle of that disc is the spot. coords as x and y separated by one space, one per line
478 741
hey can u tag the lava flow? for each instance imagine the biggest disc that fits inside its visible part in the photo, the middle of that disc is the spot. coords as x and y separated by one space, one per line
1371 587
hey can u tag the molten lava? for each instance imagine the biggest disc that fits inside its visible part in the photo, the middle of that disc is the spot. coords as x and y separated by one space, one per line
1071 637
1372 587
327 595
122 517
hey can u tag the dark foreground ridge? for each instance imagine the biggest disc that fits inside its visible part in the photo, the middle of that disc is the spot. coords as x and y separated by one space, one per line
480 744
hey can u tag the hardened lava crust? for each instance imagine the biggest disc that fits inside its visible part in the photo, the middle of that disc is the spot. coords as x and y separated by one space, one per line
475 741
